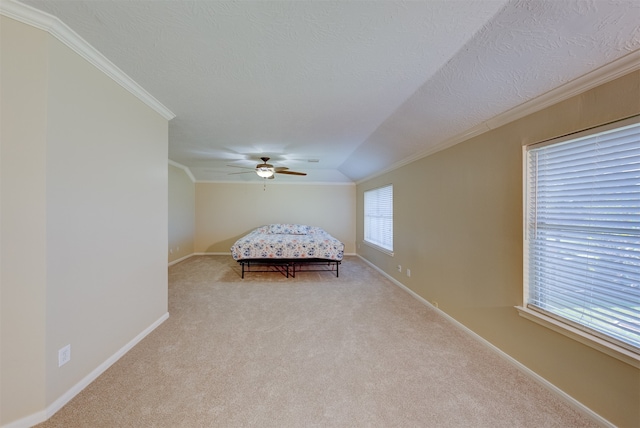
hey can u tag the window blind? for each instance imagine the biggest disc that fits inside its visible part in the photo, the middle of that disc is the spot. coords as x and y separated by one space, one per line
583 233
378 217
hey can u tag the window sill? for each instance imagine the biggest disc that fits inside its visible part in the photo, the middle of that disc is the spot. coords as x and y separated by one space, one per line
382 250
585 338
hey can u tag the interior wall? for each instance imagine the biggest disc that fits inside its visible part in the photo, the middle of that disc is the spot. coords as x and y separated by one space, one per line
106 217
228 211
182 205
23 106
91 190
458 227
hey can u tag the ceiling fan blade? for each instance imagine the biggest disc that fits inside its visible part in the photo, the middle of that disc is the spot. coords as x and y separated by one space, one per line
243 172
291 172
281 168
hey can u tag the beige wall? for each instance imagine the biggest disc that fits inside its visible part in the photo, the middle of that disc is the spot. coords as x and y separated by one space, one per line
458 227
84 219
227 211
22 219
182 207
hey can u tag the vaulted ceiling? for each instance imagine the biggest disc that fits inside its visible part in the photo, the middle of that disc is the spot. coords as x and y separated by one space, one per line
343 89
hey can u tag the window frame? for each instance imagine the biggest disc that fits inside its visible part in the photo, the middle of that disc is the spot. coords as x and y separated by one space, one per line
387 250
552 321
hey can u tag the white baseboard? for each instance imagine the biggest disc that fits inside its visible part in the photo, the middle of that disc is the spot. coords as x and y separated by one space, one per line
524 369
43 415
28 421
181 259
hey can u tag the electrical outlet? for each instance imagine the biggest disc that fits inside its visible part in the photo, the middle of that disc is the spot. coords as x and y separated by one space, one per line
64 355
409 272
170 250
399 268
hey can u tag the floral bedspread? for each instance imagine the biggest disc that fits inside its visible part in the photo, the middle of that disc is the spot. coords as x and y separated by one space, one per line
288 241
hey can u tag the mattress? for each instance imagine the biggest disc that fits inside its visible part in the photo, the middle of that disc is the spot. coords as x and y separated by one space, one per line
287 241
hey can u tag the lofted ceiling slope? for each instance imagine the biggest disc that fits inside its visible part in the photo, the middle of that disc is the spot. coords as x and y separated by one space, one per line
356 86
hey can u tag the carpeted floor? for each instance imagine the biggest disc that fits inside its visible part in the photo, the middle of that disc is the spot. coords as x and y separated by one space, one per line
314 351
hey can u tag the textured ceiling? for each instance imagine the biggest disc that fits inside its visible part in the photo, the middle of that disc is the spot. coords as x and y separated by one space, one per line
358 85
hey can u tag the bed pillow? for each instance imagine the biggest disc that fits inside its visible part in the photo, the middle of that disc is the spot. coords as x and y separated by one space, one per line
288 229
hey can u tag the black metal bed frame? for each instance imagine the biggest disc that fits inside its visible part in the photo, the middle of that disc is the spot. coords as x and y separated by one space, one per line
289 267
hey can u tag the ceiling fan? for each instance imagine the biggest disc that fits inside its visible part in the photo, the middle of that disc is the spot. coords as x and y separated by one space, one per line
267 171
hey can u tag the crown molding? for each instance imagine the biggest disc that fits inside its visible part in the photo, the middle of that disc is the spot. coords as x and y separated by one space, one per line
608 72
49 23
618 68
184 168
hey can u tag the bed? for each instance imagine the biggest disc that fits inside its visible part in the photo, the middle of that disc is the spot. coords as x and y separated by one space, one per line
288 248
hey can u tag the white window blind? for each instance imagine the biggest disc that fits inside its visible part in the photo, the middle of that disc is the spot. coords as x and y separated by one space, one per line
378 217
583 233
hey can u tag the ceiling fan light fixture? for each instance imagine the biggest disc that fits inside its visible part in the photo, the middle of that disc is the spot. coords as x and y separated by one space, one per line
265 171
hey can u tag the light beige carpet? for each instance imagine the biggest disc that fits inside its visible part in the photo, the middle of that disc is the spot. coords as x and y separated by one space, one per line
314 351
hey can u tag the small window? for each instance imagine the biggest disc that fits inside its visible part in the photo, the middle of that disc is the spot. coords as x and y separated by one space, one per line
582 232
378 217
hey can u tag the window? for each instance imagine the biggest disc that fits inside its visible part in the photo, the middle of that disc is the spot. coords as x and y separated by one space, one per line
378 217
582 233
